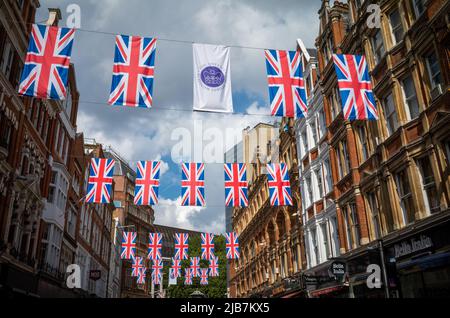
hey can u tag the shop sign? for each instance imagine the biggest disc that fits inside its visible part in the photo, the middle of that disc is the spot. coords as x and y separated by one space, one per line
412 245
314 280
95 274
337 269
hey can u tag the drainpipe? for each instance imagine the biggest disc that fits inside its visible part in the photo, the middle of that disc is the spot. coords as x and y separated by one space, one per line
383 266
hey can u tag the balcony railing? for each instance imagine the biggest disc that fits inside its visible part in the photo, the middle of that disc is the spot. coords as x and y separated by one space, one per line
52 271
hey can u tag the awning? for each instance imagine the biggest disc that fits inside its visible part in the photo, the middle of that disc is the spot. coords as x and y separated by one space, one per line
327 290
426 262
298 293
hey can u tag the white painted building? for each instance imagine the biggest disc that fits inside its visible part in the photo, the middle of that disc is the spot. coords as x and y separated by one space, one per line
318 211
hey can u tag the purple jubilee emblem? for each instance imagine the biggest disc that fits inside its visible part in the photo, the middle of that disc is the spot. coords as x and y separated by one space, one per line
212 76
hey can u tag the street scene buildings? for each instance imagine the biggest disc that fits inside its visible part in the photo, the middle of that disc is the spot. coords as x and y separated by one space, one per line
372 192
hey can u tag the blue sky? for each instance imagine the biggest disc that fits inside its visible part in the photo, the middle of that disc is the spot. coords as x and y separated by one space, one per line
141 134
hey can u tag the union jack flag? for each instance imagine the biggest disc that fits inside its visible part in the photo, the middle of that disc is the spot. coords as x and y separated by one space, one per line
214 267
232 245
236 184
46 68
207 245
154 246
181 245
187 276
176 267
286 86
133 71
193 184
136 266
141 276
100 180
204 276
128 245
195 266
279 184
147 183
156 271
355 87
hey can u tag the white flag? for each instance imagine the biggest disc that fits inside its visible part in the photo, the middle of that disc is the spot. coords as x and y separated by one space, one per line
212 82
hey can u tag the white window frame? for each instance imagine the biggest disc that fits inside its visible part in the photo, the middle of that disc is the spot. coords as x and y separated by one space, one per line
378 50
403 196
430 74
426 186
395 28
392 112
408 99
416 9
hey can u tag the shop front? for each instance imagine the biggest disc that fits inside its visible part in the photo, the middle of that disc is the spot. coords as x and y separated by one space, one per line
17 282
327 280
359 272
294 287
419 262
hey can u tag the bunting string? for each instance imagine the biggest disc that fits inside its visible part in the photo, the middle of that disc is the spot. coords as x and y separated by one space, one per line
45 76
158 38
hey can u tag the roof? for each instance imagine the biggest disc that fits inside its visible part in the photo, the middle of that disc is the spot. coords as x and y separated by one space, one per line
121 168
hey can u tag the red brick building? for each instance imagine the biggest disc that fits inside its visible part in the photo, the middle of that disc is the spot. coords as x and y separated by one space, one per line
391 181
26 143
94 233
132 218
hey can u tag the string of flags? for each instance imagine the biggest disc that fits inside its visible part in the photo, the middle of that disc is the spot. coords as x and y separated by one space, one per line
45 75
147 183
154 254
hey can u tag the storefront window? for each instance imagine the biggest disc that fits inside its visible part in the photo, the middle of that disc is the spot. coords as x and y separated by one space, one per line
428 283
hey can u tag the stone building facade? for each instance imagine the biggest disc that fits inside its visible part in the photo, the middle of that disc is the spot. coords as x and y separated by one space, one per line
130 218
270 238
390 176
318 210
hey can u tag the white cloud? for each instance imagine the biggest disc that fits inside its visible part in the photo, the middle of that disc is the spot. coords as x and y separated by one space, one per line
171 213
164 166
256 109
